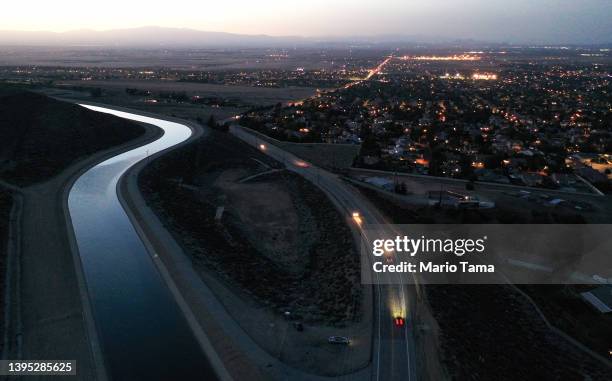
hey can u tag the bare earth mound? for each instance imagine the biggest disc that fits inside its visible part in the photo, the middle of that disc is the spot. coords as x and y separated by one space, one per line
305 263
41 136
280 245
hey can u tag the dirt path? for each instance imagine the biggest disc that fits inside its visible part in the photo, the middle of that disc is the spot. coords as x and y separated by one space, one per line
52 321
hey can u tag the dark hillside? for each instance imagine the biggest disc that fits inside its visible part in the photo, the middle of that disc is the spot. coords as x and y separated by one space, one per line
40 136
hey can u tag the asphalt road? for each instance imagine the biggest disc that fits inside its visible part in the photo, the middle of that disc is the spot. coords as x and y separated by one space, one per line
394 349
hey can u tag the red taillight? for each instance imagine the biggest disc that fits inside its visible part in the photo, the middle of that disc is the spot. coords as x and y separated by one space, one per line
399 321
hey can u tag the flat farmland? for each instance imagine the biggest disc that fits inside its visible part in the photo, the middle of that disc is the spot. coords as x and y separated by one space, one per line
189 59
245 94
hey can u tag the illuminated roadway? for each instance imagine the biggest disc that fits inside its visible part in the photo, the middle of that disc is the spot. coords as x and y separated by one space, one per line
371 73
393 351
393 356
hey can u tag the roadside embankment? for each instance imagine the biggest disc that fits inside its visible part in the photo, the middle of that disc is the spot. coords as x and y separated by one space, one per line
240 257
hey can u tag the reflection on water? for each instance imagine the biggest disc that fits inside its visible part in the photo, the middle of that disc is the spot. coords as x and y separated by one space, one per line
143 333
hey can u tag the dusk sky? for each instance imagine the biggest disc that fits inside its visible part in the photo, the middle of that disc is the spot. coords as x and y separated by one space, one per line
495 20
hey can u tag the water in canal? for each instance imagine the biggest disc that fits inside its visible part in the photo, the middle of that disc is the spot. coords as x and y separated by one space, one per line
143 333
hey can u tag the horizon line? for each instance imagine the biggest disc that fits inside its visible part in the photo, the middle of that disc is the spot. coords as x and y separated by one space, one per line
442 39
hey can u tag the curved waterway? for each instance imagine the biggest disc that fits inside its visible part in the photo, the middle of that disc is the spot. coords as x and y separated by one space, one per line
142 331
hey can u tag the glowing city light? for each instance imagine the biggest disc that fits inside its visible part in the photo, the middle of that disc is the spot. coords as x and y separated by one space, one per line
455 57
484 76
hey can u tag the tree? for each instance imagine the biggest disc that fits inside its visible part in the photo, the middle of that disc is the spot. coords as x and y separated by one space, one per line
467 171
400 188
370 147
96 92
212 122
438 157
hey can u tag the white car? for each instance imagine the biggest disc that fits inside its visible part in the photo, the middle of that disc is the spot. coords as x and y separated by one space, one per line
339 340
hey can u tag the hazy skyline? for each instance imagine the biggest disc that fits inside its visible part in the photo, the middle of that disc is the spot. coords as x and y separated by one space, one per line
545 21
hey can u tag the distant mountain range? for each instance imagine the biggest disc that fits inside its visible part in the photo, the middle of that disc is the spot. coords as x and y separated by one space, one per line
152 36
141 37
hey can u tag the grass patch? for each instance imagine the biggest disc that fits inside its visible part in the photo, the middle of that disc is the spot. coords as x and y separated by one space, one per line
565 309
486 331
